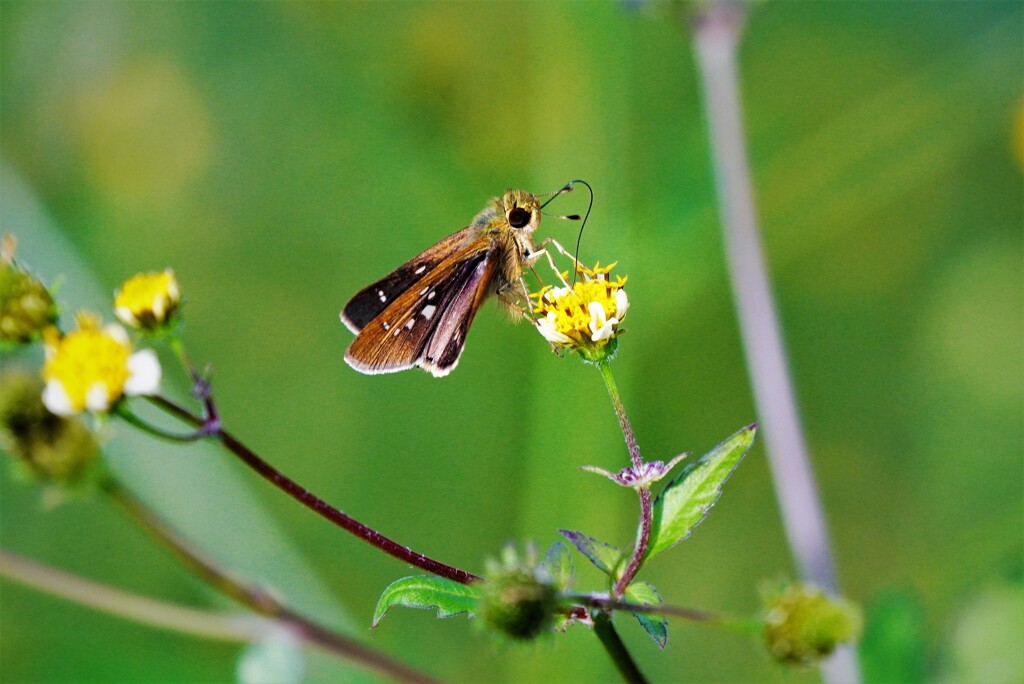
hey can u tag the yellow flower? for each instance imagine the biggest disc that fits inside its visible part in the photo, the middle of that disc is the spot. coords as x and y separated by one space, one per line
91 368
148 300
584 318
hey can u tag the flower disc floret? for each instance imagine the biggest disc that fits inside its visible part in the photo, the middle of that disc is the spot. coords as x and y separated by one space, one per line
585 317
147 301
92 368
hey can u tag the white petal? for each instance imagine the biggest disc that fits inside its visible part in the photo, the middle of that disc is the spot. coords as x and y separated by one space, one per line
117 332
621 304
546 328
159 307
605 331
143 373
124 314
97 399
597 316
56 400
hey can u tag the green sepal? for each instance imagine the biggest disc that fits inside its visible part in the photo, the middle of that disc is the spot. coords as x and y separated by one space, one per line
686 500
607 558
558 563
428 591
656 626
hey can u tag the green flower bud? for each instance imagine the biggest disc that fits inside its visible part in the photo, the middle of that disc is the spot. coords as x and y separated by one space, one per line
803 624
51 448
519 598
26 306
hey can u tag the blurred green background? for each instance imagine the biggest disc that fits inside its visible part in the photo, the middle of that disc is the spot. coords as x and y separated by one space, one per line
280 156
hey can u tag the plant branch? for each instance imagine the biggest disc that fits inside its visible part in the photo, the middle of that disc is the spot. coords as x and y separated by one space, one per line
313 502
254 596
612 643
131 606
642 541
606 603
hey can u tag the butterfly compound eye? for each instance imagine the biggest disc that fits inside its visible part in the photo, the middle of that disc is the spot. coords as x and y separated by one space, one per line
518 217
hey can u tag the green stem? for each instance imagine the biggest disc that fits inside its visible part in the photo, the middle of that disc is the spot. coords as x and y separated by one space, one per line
643 537
606 603
612 643
620 413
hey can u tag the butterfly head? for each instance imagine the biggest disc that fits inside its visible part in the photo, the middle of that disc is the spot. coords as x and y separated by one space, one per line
518 210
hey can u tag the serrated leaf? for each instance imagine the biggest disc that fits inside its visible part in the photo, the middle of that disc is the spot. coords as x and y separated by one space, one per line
685 501
559 564
655 625
604 556
428 591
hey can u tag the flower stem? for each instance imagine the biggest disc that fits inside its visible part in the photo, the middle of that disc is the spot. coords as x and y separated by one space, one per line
606 603
643 538
620 412
612 643
644 530
313 502
254 596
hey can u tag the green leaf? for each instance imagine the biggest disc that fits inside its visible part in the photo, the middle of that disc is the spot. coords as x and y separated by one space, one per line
558 563
606 557
685 501
427 591
655 625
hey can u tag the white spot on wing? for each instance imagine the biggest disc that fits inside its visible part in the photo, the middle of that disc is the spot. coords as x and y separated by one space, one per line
412 322
420 270
431 295
424 291
387 326
383 297
428 311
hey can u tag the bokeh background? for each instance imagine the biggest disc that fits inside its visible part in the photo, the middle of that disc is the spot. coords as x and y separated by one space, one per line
280 156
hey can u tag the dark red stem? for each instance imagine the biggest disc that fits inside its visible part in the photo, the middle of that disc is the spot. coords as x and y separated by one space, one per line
313 502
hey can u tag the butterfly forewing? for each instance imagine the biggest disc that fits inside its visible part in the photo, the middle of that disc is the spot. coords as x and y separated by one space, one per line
426 323
372 300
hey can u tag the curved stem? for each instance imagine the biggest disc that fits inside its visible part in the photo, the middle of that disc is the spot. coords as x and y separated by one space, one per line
313 502
612 643
643 538
254 596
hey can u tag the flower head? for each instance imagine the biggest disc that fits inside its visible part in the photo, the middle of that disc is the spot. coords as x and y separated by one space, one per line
48 447
519 598
147 301
26 306
803 624
585 317
92 368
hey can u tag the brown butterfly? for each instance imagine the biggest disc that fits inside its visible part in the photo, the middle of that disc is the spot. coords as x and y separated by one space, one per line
419 314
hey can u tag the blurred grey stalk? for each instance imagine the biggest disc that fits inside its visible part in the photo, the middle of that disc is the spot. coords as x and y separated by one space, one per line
716 37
